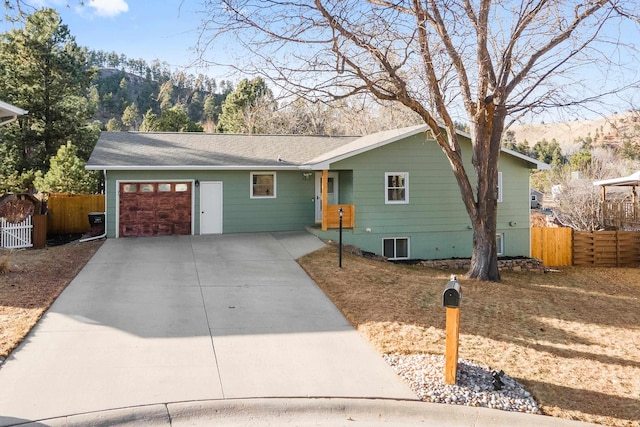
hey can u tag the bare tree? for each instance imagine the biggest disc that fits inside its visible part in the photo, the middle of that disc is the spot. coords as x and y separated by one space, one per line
482 60
579 200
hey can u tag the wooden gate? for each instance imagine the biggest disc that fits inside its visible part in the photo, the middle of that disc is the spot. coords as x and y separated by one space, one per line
552 245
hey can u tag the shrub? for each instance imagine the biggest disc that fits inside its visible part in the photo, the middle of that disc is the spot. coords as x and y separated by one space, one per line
5 267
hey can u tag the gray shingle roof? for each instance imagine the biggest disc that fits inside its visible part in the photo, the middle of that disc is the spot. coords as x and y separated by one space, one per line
168 150
151 150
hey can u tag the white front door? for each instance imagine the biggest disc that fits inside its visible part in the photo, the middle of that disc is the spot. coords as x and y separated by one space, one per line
332 192
211 207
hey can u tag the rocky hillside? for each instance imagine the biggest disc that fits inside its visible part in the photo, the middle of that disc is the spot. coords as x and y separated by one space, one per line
609 131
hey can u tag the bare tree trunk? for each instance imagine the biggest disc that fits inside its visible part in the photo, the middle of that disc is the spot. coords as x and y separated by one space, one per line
488 134
484 262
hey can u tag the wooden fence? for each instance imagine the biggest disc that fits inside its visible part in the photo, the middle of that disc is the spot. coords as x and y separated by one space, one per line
69 213
562 247
606 248
552 245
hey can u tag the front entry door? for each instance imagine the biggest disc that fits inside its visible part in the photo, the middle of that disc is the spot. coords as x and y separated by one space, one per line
211 207
332 192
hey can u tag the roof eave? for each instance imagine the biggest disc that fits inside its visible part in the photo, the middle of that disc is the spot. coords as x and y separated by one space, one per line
537 163
187 168
12 109
326 163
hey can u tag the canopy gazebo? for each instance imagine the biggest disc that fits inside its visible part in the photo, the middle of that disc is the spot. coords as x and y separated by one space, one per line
621 213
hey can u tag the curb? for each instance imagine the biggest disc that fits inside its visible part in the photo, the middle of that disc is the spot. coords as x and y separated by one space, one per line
304 411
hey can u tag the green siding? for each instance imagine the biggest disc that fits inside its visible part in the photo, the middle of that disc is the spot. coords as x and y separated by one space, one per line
435 219
292 209
345 187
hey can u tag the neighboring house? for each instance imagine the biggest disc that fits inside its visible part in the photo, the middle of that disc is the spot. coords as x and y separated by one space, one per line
536 199
9 113
398 193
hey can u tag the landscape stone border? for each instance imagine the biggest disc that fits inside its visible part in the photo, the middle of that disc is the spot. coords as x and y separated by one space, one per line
504 264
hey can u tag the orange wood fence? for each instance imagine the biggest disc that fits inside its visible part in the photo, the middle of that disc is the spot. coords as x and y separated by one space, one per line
69 213
552 245
563 246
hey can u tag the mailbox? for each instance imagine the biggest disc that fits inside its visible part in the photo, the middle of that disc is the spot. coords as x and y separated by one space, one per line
451 295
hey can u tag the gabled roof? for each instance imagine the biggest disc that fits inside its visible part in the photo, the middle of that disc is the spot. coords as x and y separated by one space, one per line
195 150
380 139
625 181
11 111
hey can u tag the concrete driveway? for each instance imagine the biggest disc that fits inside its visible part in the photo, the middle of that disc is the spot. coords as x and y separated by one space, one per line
190 318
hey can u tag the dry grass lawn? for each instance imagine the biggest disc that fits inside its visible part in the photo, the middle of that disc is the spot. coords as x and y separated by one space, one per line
572 338
34 279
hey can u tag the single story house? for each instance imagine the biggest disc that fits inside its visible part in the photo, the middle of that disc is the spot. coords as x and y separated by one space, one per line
398 195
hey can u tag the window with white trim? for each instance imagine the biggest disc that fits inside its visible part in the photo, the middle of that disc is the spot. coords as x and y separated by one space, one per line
499 195
500 243
396 248
396 187
263 185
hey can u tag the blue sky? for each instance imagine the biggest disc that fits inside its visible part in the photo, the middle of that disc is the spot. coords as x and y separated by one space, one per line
160 29
149 29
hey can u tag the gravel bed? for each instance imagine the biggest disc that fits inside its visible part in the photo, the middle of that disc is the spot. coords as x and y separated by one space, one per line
474 386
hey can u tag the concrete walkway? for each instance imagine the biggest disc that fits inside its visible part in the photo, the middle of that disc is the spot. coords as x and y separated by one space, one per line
197 330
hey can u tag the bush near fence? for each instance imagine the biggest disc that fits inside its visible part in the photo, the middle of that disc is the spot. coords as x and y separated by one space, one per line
69 213
563 247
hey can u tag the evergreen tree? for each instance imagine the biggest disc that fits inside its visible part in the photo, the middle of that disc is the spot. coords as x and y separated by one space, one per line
195 107
165 97
548 152
131 116
176 120
149 122
113 125
210 109
242 108
43 70
581 160
67 174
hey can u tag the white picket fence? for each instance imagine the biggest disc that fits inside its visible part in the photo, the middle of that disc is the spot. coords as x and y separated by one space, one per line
15 236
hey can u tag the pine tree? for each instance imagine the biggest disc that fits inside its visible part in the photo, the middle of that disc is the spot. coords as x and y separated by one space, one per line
131 116
176 120
67 174
113 125
149 122
243 107
44 71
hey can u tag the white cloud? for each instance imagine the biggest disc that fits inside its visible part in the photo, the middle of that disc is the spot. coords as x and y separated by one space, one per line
108 7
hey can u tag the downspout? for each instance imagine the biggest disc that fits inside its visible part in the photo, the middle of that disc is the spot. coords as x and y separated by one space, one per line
88 239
